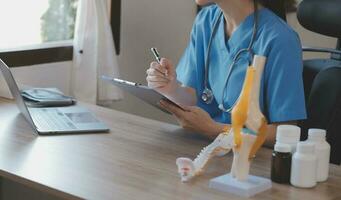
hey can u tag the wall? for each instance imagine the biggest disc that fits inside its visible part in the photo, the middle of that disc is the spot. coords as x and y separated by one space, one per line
145 24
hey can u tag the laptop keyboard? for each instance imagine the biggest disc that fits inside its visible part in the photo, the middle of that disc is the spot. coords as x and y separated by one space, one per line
51 119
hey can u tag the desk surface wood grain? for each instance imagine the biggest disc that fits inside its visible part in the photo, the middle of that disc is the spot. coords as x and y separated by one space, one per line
136 160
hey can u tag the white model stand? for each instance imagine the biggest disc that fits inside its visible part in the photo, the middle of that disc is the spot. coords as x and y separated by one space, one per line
250 187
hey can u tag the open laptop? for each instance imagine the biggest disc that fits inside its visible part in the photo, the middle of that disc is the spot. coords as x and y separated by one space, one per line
53 120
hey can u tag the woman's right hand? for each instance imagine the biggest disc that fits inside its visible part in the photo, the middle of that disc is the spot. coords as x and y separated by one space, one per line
162 77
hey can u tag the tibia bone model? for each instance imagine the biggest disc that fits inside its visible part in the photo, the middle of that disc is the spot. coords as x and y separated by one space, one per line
189 169
248 123
241 163
247 119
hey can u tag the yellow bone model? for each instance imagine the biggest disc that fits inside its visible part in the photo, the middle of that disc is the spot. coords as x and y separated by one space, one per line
247 117
245 114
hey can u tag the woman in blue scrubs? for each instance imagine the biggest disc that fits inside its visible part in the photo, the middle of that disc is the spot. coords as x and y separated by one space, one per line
229 25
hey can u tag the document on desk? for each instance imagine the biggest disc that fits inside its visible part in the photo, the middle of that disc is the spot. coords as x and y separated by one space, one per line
45 97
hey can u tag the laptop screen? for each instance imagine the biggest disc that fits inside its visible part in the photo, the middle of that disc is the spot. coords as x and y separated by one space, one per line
13 87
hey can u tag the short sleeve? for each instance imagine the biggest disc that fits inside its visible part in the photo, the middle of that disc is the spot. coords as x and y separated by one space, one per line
284 92
190 69
186 71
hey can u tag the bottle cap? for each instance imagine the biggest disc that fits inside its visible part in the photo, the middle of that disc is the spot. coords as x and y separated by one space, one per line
305 147
288 133
283 148
316 134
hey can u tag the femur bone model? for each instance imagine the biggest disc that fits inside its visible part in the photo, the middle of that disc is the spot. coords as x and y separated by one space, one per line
247 133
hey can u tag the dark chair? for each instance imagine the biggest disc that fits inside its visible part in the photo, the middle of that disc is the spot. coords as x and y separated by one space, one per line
322 77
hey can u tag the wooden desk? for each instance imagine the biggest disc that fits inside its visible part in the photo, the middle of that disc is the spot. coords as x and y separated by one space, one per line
136 160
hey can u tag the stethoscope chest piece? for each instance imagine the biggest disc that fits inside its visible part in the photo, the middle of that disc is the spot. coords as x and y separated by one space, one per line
207 96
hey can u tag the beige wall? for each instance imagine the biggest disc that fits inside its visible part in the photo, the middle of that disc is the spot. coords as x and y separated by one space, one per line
145 24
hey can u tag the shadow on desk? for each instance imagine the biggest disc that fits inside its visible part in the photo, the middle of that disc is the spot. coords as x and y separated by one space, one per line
10 190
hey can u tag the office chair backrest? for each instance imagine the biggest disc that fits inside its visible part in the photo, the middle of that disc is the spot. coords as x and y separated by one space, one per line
322 76
321 16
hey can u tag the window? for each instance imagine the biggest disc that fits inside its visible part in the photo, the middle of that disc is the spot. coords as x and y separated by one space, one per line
36 31
35 22
41 31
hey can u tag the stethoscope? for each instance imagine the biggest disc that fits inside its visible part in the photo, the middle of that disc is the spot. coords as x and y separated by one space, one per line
207 94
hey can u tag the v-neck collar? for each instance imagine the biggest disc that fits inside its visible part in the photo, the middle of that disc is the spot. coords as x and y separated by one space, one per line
240 38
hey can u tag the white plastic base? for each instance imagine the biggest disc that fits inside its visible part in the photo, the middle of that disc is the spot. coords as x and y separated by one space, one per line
248 188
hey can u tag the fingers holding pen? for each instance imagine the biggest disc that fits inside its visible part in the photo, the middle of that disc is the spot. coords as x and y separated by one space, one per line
161 75
155 72
170 69
155 78
154 66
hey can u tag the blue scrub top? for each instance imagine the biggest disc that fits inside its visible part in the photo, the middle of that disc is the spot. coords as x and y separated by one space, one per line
282 93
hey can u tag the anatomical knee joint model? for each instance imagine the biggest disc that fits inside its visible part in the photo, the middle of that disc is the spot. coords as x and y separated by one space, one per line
247 133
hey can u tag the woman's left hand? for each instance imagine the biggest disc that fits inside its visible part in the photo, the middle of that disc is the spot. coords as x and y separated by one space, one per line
194 118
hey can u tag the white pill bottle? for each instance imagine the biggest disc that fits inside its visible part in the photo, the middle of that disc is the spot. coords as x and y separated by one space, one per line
288 134
303 166
322 152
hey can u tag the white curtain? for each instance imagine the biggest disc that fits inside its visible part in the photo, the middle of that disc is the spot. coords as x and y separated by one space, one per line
94 54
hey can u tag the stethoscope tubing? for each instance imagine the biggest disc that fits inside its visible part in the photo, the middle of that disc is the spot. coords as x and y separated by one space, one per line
231 66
